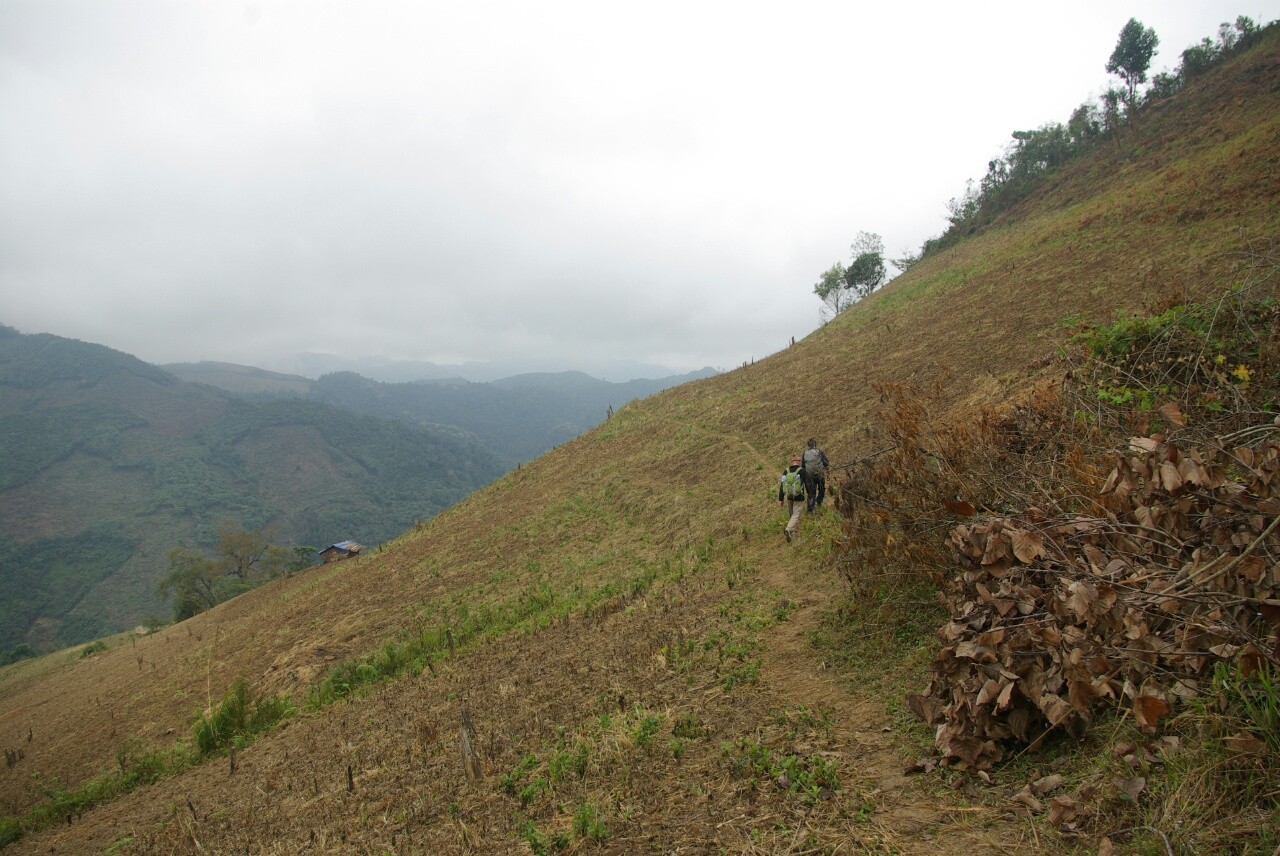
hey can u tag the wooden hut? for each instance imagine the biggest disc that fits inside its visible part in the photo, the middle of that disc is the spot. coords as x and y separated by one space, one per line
339 551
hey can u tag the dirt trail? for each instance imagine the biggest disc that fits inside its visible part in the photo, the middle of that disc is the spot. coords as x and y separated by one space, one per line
908 817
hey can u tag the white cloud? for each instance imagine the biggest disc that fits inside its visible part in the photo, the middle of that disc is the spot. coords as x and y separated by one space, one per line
657 182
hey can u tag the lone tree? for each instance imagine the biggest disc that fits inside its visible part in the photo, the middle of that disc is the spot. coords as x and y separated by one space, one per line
833 291
867 271
242 557
1132 56
839 287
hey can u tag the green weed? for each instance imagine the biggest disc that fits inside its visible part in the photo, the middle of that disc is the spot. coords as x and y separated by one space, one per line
1255 699
810 778
587 823
510 781
135 767
542 844
238 719
569 763
647 726
743 673
93 648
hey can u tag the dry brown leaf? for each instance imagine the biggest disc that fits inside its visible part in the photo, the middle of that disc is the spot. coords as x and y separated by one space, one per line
1048 784
989 691
1245 744
1027 546
1132 786
1028 799
1252 568
1054 708
922 765
1005 697
998 548
1081 598
1143 444
1173 414
1148 710
1063 809
1193 472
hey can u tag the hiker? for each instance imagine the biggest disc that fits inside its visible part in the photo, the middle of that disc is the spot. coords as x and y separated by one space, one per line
815 470
791 491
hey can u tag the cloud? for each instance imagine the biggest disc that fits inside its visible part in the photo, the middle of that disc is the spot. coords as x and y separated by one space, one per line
490 181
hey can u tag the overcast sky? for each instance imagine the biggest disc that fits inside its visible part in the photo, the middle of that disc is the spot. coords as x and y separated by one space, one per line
568 182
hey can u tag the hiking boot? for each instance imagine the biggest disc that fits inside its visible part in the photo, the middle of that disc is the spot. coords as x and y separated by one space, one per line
787 532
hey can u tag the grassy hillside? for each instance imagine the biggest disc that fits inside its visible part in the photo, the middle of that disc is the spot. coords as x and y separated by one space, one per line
636 659
110 463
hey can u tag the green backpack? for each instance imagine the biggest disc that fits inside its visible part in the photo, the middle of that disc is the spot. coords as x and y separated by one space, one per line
792 485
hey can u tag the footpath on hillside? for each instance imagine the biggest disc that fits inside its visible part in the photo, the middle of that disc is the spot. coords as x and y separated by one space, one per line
904 813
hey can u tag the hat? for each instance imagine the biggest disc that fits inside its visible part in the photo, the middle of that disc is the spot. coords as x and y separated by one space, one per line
795 459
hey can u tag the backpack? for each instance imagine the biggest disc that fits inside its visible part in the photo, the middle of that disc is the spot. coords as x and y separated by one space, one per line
813 461
792 484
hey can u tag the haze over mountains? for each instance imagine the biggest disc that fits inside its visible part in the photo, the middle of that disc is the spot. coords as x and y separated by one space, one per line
110 462
313 365
517 418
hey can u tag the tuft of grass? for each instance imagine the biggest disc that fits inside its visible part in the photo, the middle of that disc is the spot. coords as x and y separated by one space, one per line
811 778
570 763
542 844
587 823
1197 794
646 727
510 781
1254 698
93 648
237 719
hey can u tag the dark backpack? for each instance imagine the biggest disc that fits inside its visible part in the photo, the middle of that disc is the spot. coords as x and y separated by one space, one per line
813 461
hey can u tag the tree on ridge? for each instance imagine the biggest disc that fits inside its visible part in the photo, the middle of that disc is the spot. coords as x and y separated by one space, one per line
1132 56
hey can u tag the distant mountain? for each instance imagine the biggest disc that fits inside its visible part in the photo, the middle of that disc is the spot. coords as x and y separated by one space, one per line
516 418
405 371
109 462
243 380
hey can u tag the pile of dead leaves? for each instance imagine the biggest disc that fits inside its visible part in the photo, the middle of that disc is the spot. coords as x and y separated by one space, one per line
1053 618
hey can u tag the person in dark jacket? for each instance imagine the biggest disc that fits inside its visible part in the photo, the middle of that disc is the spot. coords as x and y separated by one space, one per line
815 465
791 494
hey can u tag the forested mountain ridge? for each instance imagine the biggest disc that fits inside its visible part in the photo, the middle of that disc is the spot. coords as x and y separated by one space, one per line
516 418
110 462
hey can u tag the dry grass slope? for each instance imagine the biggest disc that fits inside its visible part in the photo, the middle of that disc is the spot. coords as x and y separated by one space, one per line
662 693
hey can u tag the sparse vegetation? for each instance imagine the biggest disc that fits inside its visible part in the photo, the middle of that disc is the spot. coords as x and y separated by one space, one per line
1142 506
237 719
809 778
1033 157
599 598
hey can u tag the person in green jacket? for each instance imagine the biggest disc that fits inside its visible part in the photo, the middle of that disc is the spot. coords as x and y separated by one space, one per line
791 495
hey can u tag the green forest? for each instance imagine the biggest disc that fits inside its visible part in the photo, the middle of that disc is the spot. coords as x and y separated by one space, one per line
110 463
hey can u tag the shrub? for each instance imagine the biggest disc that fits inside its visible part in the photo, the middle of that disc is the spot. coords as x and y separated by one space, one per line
238 719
